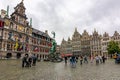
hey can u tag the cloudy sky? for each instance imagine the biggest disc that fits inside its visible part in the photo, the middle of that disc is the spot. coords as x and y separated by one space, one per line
62 16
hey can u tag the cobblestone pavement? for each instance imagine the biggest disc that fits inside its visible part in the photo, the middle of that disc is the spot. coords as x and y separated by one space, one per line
11 70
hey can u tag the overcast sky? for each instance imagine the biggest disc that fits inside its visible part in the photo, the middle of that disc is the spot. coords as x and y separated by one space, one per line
62 16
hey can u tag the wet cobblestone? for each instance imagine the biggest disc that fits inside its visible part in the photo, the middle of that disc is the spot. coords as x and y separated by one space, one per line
12 70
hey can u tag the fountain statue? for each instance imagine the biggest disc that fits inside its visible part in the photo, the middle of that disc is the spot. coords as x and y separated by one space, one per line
53 48
53 56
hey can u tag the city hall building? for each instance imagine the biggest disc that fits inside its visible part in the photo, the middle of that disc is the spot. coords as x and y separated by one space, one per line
17 36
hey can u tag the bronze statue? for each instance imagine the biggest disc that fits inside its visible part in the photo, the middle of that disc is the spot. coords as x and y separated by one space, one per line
53 48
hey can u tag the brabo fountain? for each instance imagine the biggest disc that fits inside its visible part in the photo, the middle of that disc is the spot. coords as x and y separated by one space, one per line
53 56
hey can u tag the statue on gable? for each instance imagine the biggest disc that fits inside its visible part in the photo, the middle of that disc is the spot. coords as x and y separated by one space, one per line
53 34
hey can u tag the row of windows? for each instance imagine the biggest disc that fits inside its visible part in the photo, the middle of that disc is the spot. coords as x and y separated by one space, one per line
23 38
41 37
115 38
23 47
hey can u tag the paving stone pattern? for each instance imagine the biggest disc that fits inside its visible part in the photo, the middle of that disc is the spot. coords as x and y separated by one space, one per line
12 70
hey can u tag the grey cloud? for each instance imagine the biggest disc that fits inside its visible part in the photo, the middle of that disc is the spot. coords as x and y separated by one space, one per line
62 16
106 8
83 20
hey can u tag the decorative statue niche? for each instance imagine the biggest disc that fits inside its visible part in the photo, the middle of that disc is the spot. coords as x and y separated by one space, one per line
7 24
16 37
27 31
27 38
10 35
19 37
38 41
11 25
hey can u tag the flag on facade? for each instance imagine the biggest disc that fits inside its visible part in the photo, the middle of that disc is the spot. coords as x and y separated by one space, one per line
7 22
36 49
21 47
24 46
27 47
1 24
16 45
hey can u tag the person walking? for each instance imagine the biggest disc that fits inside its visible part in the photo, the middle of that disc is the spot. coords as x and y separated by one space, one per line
115 57
65 59
103 58
100 58
76 58
97 59
25 62
81 59
30 61
34 58
85 59
91 58
73 61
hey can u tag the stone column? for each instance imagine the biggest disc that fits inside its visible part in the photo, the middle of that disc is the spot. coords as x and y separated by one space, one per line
5 46
13 47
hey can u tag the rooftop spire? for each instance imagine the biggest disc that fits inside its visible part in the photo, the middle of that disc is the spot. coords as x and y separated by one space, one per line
75 29
68 38
95 29
8 10
30 21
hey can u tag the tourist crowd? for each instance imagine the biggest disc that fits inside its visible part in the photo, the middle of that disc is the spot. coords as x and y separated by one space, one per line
29 60
98 59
